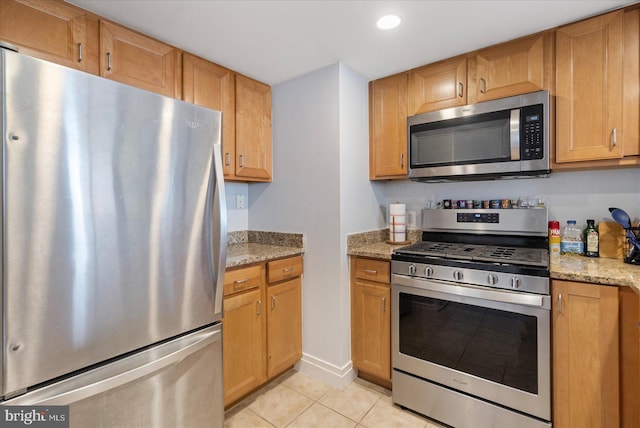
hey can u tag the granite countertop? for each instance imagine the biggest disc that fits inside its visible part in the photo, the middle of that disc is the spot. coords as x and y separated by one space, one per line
247 247
573 268
596 270
374 243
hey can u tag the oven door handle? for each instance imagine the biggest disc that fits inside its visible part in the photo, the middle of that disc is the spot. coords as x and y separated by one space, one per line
474 291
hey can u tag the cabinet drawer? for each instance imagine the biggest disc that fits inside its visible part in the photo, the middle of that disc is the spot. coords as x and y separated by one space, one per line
242 279
373 270
284 269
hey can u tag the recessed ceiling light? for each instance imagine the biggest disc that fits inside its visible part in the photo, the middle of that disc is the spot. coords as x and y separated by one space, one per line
388 22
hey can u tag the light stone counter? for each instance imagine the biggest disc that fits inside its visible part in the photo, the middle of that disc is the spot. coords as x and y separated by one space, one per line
572 268
247 247
596 270
373 244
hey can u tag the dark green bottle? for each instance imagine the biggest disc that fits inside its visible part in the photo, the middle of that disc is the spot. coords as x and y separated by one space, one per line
591 240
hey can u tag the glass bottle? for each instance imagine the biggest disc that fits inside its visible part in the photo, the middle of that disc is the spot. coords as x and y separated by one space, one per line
591 240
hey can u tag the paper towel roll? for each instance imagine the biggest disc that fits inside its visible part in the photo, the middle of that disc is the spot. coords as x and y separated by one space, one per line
397 209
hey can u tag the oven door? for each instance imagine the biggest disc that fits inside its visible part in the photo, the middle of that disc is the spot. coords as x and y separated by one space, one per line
491 344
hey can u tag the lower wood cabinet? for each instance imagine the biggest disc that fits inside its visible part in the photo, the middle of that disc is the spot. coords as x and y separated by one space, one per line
244 344
284 321
596 355
262 324
371 319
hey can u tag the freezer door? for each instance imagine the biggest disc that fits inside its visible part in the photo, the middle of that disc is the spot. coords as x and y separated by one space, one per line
177 384
113 220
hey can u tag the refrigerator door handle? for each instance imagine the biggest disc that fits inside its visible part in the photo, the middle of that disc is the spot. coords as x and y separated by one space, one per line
220 227
113 375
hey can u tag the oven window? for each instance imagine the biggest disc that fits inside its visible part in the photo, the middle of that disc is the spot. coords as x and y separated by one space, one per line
496 345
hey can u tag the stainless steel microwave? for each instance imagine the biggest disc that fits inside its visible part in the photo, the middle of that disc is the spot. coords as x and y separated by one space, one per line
505 138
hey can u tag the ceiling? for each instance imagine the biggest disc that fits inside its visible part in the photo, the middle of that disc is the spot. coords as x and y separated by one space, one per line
274 41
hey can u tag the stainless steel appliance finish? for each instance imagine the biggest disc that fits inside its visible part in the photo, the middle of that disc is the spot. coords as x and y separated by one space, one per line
471 321
113 224
175 384
505 138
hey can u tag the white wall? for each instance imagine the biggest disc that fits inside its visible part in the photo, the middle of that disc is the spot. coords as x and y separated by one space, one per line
319 153
568 195
237 219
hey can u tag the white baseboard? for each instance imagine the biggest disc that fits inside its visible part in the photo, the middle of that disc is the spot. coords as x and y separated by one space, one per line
337 377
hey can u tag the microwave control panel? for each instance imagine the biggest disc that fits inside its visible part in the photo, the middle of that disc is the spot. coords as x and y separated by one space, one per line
531 137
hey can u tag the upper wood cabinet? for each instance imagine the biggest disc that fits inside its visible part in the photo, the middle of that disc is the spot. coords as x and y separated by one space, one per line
50 30
210 85
132 58
589 89
388 102
437 86
597 90
253 158
510 68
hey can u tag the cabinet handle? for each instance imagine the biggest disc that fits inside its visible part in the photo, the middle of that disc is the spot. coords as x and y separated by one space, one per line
79 52
108 61
559 303
273 302
241 161
615 136
259 305
239 282
460 89
384 304
227 159
482 85
401 160
370 272
287 271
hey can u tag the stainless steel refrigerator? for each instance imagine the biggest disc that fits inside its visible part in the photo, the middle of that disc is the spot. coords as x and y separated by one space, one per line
113 250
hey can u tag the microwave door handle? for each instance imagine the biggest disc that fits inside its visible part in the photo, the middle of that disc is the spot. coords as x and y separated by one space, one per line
514 134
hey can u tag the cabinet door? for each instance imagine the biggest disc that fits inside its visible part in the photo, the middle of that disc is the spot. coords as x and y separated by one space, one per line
284 326
589 89
629 358
131 58
53 31
253 130
508 69
244 344
371 329
437 86
585 355
209 85
388 101
631 83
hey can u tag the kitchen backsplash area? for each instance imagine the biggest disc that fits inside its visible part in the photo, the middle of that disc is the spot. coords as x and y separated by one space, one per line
568 195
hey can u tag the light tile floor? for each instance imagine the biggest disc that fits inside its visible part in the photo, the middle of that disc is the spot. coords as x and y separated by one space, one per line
296 400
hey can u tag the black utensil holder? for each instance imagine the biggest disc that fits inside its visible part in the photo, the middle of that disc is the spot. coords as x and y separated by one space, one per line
632 252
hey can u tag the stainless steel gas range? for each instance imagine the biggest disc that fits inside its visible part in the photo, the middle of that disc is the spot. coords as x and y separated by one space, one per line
471 319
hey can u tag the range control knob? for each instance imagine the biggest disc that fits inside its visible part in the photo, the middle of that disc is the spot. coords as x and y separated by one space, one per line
515 282
492 279
428 271
412 269
457 275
